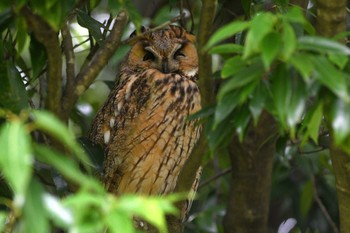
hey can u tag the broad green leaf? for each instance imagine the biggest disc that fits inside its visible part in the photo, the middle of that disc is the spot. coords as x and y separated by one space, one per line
242 118
37 57
322 45
21 35
226 48
261 25
48 123
295 15
5 18
38 222
330 77
289 41
340 117
281 92
306 199
226 32
225 106
257 102
304 65
16 158
244 76
232 66
339 60
65 165
313 123
270 47
91 24
221 135
116 219
13 95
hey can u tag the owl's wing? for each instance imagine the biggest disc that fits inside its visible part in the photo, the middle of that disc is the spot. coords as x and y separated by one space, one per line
124 103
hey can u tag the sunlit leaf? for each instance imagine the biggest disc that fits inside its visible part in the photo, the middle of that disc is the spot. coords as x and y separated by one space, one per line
322 45
16 157
261 25
226 48
65 165
226 32
332 78
289 41
38 222
48 123
60 214
304 64
244 76
339 60
119 218
270 47
313 124
232 65
295 15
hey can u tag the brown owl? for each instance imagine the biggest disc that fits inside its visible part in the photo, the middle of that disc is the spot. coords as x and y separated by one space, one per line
143 125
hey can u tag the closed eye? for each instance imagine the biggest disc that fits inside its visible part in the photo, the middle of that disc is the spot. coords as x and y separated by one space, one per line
149 56
179 54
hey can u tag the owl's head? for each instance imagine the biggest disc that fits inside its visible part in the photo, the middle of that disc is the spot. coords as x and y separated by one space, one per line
169 50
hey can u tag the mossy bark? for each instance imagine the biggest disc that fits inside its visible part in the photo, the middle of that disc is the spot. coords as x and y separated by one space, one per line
252 160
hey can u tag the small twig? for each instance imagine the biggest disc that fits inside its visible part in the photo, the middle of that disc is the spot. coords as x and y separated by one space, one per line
215 177
108 24
163 25
322 206
81 43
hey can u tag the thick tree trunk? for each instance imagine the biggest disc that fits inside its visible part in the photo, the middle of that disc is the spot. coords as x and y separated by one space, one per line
331 20
252 160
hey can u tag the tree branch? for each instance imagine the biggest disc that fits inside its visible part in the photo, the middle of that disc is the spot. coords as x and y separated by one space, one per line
47 36
89 72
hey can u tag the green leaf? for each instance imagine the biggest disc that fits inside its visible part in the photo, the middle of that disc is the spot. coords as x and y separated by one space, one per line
221 135
242 118
5 18
306 199
225 106
48 123
330 77
16 157
38 222
3 218
261 25
65 165
270 47
322 45
226 32
257 102
21 35
304 64
13 95
339 60
289 41
232 66
313 123
118 218
91 24
295 15
340 116
244 76
226 48
60 215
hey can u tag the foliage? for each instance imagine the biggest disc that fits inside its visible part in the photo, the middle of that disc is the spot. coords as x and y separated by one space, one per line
47 180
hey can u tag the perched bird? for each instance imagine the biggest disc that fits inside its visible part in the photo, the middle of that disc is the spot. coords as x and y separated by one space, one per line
143 125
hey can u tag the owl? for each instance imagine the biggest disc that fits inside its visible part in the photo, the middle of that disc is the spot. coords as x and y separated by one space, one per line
143 126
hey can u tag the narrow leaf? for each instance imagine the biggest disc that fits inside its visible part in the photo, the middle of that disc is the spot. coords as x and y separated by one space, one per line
322 45
270 47
340 115
226 48
16 157
226 32
232 65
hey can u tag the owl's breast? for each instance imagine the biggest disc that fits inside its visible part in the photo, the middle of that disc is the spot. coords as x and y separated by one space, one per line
157 141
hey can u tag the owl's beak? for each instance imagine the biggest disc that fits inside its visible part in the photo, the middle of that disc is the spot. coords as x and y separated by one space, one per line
165 67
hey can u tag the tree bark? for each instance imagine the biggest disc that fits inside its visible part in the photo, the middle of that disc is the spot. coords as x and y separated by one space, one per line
331 20
252 160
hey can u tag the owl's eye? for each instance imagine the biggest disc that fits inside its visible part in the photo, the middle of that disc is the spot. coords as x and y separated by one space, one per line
149 56
179 54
